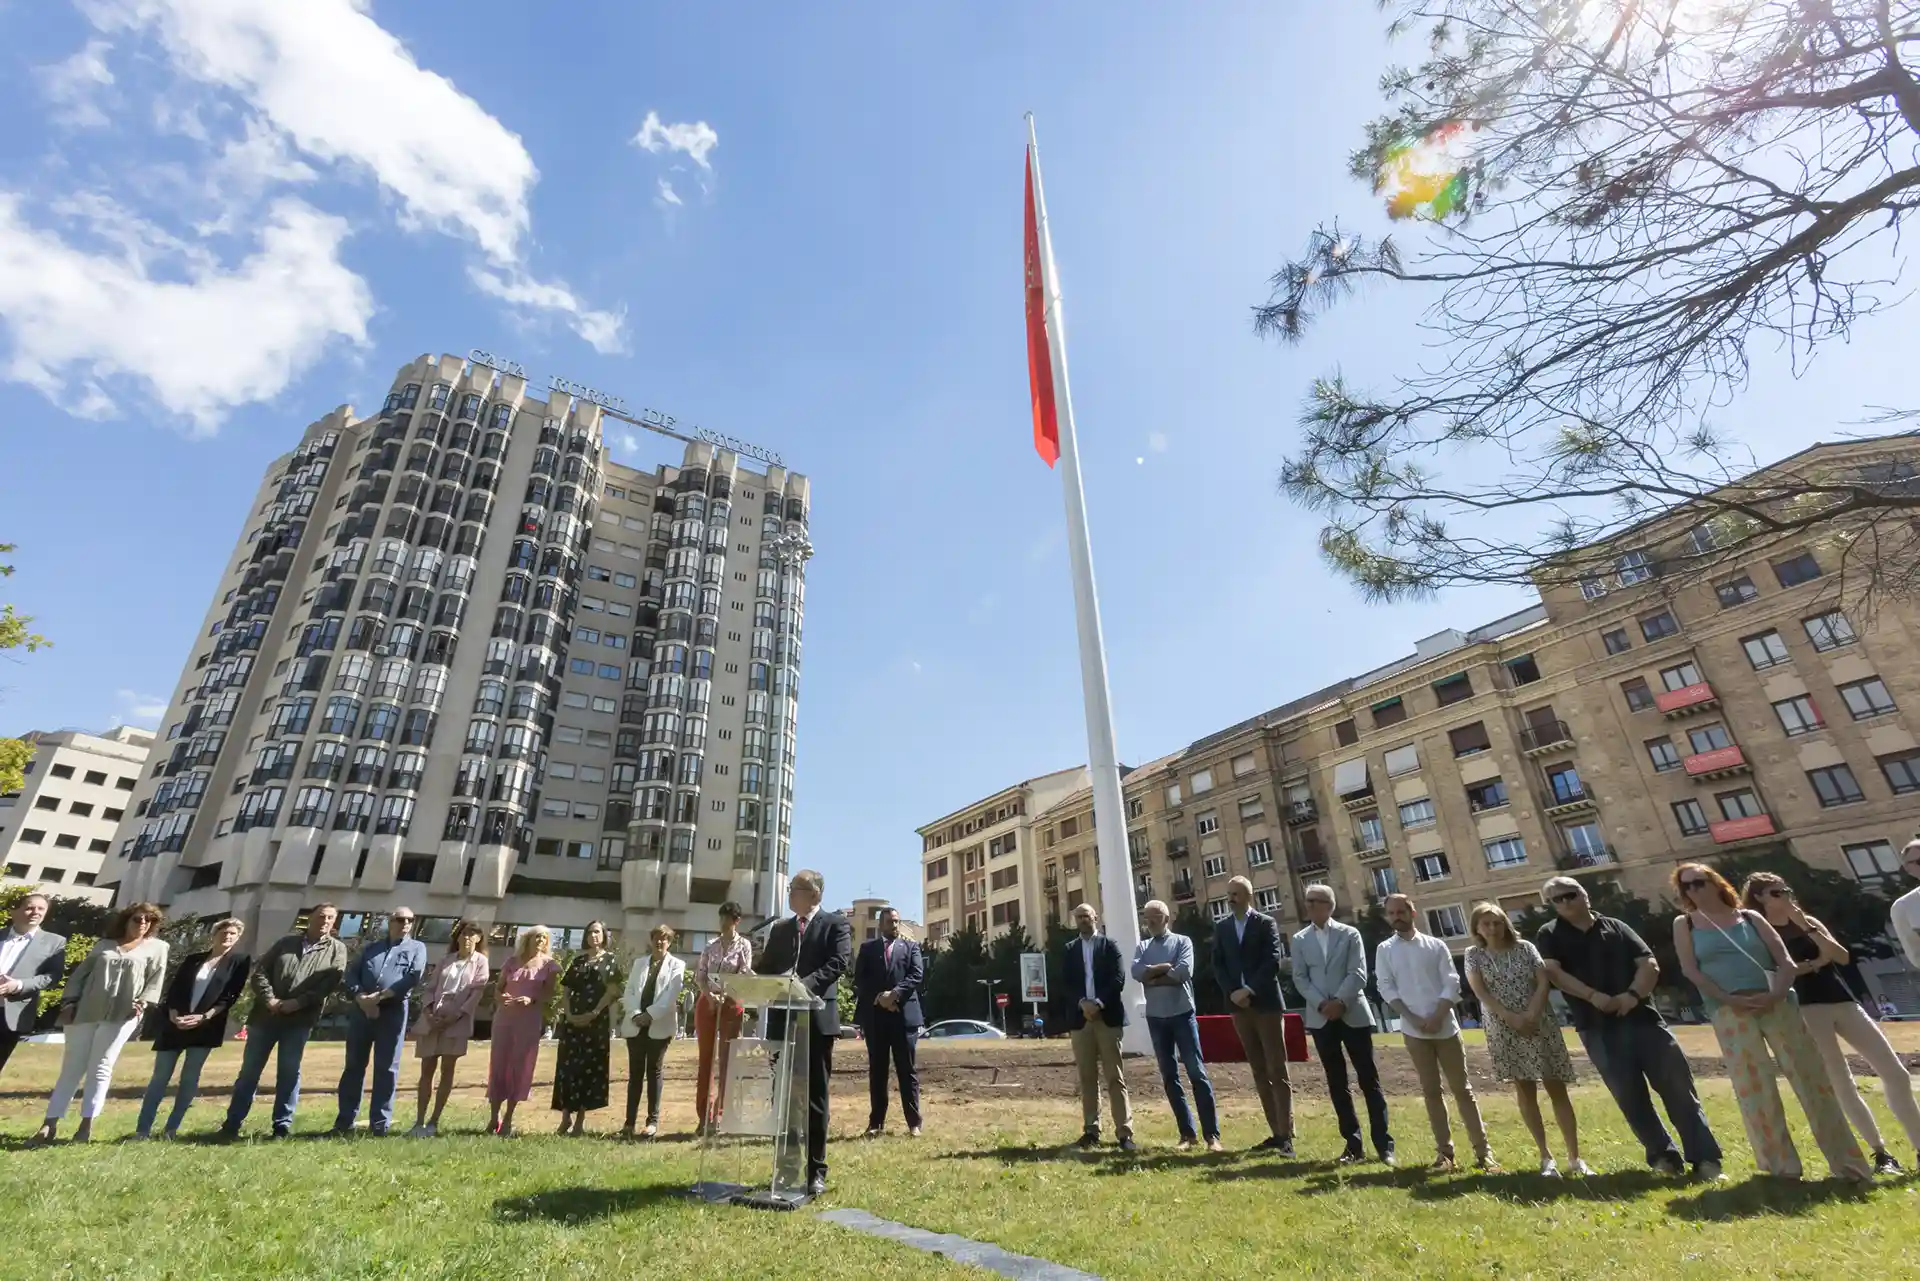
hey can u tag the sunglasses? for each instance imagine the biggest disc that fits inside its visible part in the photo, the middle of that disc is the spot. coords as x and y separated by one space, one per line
1570 896
1777 892
1690 886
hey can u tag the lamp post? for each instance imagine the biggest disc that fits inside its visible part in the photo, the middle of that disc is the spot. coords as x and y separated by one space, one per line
792 551
990 985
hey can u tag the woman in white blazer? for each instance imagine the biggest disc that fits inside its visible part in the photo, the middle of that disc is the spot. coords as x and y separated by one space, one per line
649 1016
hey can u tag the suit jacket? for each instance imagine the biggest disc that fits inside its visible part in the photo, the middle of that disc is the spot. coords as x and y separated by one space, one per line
666 998
41 964
453 1000
1337 972
224 987
1109 981
1252 962
818 960
872 975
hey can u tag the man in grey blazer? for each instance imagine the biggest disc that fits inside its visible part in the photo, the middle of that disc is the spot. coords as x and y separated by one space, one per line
31 961
1330 971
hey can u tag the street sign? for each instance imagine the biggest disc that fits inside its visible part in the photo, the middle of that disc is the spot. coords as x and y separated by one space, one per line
1033 977
1000 999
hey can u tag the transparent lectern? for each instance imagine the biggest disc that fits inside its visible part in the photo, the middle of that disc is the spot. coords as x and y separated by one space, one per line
766 1099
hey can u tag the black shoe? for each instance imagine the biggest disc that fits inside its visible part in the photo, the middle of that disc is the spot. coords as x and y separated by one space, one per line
1284 1147
1352 1156
816 1185
1669 1163
340 1132
226 1134
378 1131
1884 1163
280 1133
1090 1139
1127 1144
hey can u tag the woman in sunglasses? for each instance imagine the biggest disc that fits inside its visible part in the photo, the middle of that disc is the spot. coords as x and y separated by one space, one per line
1833 1014
1743 972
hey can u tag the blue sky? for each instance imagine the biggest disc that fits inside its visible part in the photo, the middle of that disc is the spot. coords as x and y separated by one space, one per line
220 218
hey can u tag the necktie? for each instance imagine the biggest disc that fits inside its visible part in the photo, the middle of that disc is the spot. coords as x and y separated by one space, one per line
887 953
646 993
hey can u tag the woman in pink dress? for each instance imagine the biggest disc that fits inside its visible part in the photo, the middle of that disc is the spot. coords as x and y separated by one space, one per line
519 1018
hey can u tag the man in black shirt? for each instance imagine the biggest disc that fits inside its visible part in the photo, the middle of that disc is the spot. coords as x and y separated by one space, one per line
1607 973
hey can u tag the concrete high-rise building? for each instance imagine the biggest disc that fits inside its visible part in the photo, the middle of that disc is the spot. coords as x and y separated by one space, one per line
461 660
56 832
1623 724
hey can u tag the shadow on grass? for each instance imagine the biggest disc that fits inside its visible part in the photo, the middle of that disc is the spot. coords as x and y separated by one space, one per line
1517 1188
577 1206
1762 1196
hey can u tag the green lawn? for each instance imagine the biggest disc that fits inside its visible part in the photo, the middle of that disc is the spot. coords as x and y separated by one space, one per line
473 1206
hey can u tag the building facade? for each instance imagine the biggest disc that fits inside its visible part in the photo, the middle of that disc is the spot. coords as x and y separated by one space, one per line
461 660
57 831
1622 725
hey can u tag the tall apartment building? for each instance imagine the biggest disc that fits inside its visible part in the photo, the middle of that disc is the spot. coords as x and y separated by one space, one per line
461 660
57 831
1620 726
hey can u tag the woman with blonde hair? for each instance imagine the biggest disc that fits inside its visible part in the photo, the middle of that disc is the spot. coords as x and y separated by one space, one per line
519 1017
1832 1012
1741 968
194 1022
1523 1038
105 998
445 1024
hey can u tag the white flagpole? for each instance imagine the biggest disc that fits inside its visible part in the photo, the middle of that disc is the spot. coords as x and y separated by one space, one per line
1109 808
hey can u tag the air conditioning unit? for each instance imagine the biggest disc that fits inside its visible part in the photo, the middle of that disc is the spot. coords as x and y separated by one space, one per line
383 651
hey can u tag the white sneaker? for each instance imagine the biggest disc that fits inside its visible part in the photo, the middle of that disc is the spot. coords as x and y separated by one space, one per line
1709 1172
1549 1169
1580 1169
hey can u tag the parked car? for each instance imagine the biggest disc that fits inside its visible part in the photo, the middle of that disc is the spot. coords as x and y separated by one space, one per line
962 1029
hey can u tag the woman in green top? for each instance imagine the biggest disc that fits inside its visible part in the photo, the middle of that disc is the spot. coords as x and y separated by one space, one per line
585 1031
1737 961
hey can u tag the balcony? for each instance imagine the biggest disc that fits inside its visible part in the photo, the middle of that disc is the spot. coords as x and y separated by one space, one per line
1731 831
1300 813
1357 801
1537 740
1366 853
1142 859
1582 859
1177 847
1564 801
1688 700
1309 864
1183 891
1722 762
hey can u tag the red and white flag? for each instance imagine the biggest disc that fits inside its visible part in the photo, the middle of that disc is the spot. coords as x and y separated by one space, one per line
1046 421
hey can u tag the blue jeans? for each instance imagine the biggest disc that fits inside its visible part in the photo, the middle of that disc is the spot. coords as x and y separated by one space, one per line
262 1038
379 1039
1630 1056
1180 1034
163 1063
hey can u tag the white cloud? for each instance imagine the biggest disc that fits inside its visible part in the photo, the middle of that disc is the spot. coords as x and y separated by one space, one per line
602 330
136 707
695 139
202 340
668 196
73 86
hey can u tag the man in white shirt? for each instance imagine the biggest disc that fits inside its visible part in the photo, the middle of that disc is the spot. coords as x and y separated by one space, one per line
1906 908
1416 976
31 961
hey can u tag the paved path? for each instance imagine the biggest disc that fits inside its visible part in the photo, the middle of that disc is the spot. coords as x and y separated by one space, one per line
1023 1267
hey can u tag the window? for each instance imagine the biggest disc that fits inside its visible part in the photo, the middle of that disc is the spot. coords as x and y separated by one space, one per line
1873 863
1267 899
1867 698
1370 833
1206 824
1383 881
1735 591
1505 851
82 808
1523 669
1490 795
1835 785
1390 712
1902 771
1663 754
1564 782
1634 567
1830 630
1217 909
1431 867
62 771
1662 624
1765 650
1252 809
1447 922
1797 569
1709 738
1173 796
1585 843
1592 588
1201 782
1346 734
1691 818
1639 697
1243 765
96 777
1617 641
1798 715
47 803
1404 759
1259 853
1454 689
1469 740
1417 814
1214 865
1680 676
1740 804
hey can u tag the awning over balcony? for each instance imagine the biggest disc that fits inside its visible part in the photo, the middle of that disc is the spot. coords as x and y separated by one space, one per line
1350 777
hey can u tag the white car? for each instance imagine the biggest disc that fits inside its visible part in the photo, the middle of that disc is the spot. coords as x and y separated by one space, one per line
962 1029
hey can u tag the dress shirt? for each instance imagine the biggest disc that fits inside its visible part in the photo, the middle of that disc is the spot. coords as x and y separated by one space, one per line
722 956
1418 972
1086 959
202 977
1906 924
1240 927
1174 999
10 949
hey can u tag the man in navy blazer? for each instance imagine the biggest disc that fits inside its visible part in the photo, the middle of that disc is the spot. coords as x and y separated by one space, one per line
887 974
1093 977
814 946
1246 963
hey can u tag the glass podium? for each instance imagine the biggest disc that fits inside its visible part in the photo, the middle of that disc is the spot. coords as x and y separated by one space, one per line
757 1155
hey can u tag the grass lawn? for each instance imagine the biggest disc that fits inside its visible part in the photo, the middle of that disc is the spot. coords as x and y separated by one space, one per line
991 1167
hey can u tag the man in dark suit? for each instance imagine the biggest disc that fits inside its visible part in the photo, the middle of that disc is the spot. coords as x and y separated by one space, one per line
886 989
815 947
1092 979
31 961
1246 961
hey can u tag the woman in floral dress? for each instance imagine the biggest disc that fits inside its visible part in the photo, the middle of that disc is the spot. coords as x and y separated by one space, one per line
1510 979
585 1031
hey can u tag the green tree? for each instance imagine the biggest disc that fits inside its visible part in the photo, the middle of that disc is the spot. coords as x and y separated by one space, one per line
78 944
1207 996
951 971
1631 195
1855 913
15 754
1003 965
